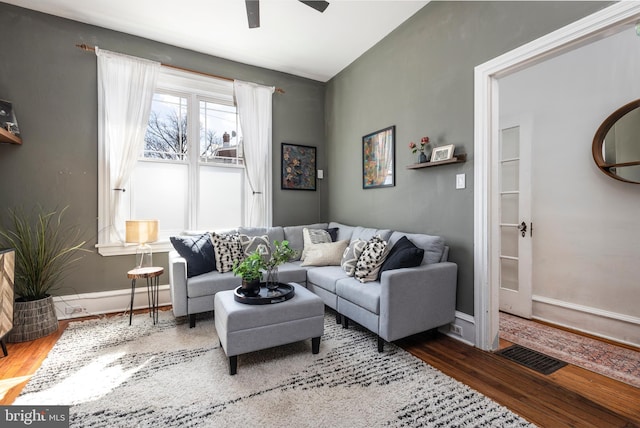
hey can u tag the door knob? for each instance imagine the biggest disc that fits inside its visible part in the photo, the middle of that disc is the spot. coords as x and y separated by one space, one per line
523 228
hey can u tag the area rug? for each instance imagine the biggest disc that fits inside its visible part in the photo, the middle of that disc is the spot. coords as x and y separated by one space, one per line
613 361
168 375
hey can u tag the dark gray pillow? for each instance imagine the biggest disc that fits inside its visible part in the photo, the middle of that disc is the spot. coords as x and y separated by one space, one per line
333 232
404 254
197 251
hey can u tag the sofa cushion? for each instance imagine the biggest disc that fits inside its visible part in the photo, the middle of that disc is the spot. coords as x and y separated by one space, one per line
292 272
371 259
293 234
351 255
255 243
344 231
433 246
403 254
326 276
210 283
366 233
366 295
197 251
311 237
326 254
228 251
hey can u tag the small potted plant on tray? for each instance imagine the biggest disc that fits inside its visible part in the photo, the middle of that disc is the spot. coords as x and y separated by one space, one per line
250 270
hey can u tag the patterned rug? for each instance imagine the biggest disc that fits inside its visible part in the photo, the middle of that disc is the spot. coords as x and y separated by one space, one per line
616 362
169 375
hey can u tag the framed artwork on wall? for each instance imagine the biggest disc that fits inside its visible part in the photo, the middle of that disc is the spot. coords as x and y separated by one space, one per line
378 159
298 167
442 153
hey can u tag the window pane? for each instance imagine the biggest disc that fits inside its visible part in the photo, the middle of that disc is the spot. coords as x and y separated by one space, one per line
166 136
219 133
220 197
159 192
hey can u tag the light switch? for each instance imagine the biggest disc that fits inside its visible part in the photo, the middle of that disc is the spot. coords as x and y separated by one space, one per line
320 174
460 181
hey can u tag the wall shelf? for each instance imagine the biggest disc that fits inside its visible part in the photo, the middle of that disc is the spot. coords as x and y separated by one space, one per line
8 137
462 157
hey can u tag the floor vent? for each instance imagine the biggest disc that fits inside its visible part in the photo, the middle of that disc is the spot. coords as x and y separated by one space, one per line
532 359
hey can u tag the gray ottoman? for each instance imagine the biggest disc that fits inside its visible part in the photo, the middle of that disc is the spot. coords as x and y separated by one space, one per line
246 328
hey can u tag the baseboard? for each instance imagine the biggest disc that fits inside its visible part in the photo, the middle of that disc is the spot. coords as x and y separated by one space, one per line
462 329
104 302
597 322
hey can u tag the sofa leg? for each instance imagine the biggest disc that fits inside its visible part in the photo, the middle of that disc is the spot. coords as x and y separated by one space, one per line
192 320
338 318
315 345
380 344
233 365
4 347
345 322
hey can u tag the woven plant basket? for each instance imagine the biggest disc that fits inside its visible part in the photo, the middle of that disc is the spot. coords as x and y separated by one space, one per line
32 320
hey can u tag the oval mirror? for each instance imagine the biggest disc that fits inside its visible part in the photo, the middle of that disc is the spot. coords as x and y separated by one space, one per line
616 145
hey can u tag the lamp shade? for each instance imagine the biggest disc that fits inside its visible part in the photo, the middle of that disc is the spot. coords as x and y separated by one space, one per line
142 231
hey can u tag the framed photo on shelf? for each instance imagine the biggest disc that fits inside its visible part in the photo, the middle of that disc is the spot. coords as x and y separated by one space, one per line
8 119
442 153
298 167
378 158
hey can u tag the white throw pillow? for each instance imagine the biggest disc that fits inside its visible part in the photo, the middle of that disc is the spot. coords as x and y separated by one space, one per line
325 254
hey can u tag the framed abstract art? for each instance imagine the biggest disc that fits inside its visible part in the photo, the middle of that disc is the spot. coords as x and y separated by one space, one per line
378 158
298 167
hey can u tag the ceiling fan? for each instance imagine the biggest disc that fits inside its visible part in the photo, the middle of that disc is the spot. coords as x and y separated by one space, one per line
253 9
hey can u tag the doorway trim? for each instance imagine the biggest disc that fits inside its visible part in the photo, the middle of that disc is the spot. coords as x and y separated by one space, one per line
486 112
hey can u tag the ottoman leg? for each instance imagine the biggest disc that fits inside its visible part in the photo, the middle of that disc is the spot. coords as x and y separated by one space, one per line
233 365
315 345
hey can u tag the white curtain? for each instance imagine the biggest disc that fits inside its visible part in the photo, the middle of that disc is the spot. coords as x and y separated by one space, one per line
254 110
125 90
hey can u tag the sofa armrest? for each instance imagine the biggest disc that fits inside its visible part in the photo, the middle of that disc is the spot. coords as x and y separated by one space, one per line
414 300
178 283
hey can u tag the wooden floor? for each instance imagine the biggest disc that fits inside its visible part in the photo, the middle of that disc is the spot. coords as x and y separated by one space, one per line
570 397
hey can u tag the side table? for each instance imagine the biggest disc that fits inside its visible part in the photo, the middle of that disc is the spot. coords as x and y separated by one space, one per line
152 275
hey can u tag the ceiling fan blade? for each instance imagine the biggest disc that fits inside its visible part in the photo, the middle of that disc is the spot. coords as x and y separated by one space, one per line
253 13
320 6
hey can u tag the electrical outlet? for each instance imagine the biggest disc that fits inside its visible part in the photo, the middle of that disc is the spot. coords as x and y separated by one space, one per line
455 329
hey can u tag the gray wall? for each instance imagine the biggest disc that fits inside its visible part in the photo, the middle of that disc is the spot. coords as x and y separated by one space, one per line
52 85
420 78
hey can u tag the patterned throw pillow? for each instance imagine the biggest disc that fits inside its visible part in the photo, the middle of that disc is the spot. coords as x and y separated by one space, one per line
228 251
312 237
351 256
371 259
253 243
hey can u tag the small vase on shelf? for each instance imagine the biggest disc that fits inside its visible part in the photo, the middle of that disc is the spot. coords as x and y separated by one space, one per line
422 158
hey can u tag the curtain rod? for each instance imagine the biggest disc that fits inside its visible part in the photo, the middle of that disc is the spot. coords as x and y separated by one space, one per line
175 67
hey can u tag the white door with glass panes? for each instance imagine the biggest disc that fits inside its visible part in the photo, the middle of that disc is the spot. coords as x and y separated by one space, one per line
513 228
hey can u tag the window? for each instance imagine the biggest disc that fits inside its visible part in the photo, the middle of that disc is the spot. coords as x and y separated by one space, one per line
190 175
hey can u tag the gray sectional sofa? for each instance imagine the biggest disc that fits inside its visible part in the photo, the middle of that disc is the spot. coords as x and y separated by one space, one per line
402 302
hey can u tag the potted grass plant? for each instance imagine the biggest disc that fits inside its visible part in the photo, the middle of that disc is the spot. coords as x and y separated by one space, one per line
45 250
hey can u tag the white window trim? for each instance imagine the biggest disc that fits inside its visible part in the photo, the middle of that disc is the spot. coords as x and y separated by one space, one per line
168 79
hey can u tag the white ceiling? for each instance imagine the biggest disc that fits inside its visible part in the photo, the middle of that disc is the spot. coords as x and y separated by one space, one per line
292 37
